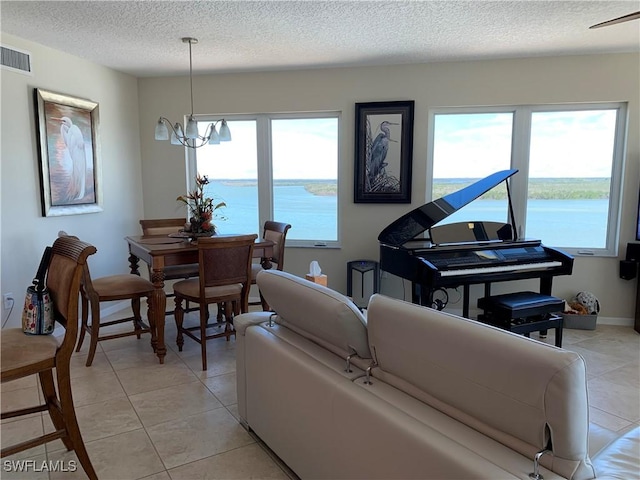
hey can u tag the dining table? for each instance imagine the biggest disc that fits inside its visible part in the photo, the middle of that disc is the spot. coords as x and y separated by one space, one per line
160 251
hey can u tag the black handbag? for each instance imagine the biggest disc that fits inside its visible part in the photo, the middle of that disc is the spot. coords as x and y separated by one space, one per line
37 315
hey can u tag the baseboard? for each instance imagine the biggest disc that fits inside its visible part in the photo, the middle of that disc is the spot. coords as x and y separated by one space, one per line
619 321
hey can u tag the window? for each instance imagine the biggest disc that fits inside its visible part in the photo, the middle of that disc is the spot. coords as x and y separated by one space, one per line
567 190
277 167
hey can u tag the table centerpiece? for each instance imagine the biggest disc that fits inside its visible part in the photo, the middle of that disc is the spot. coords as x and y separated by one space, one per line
202 210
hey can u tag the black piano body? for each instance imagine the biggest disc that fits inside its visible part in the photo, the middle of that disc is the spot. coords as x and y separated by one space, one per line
465 253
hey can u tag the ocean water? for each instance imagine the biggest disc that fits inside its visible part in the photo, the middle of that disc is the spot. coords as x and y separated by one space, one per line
311 216
558 223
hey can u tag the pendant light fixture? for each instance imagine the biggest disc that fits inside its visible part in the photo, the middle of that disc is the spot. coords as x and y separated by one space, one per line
189 136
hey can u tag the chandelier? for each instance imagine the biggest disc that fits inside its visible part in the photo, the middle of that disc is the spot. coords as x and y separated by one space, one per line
189 136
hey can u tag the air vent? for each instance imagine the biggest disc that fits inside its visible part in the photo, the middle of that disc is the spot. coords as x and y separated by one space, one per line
16 60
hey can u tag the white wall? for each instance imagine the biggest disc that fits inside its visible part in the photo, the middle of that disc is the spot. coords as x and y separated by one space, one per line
23 231
538 80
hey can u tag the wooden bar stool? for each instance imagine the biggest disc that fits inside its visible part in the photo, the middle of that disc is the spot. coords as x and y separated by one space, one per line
523 313
48 355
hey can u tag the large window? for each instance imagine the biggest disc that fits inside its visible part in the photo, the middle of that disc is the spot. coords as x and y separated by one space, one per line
569 158
276 167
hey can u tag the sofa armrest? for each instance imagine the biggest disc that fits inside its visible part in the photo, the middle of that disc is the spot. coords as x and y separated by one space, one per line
245 320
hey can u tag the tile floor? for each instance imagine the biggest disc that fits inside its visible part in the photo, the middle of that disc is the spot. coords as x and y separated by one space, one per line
141 420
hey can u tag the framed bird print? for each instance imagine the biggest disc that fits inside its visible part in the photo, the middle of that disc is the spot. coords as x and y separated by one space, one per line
69 147
384 152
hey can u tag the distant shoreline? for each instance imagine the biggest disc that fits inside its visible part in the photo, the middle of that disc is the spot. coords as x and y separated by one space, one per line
539 188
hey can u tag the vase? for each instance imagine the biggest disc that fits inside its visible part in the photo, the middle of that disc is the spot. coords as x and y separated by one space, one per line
193 236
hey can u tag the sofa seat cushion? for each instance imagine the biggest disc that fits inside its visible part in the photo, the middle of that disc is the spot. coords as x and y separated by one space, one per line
318 313
520 392
621 458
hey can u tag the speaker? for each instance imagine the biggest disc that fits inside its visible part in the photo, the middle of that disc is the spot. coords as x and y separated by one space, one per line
628 269
633 252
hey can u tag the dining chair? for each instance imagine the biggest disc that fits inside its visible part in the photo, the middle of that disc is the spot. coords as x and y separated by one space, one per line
224 278
23 355
277 233
126 286
166 226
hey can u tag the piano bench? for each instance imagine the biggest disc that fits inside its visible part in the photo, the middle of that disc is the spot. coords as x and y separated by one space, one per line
523 313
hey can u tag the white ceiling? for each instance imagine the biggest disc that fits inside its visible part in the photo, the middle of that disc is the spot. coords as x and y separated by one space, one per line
143 37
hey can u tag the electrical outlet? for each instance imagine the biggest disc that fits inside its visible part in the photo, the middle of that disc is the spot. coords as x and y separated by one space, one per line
8 300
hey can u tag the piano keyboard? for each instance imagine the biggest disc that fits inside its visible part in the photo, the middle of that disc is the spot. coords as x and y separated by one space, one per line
499 268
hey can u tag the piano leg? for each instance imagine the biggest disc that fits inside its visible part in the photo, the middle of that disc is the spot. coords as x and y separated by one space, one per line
465 300
421 295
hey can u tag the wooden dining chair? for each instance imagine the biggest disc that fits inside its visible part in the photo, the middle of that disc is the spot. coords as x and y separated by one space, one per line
165 226
224 278
23 355
126 286
277 233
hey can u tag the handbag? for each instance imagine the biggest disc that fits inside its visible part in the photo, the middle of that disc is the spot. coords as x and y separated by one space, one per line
37 315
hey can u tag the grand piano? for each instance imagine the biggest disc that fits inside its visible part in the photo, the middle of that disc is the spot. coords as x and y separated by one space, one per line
436 257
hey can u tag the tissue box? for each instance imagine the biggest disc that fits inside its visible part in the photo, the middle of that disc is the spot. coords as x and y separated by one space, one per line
579 322
319 279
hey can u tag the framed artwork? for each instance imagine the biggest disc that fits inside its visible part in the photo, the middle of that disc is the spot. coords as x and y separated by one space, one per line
384 152
69 149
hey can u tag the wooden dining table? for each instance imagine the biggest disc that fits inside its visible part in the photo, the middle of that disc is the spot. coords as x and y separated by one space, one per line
160 251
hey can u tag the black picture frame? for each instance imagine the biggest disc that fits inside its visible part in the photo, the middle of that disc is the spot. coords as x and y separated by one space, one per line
383 152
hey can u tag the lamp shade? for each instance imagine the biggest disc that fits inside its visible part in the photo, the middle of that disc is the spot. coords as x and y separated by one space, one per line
191 130
162 132
225 133
177 135
215 138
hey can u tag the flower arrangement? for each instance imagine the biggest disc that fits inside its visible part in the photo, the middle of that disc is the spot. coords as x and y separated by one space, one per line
202 210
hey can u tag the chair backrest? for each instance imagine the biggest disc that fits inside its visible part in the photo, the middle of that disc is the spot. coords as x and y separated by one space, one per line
68 259
162 226
277 233
226 260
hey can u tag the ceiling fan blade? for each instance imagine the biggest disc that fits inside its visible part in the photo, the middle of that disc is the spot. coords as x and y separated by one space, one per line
626 18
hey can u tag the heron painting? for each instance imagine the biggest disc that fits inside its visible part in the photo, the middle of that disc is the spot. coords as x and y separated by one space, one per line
384 147
69 154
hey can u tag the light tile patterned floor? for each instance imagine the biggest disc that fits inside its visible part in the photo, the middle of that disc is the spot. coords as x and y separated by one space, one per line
142 420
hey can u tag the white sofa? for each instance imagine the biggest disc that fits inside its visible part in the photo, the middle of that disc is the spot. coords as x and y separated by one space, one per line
410 392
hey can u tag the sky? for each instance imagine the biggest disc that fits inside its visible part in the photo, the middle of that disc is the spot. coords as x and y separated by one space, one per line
473 145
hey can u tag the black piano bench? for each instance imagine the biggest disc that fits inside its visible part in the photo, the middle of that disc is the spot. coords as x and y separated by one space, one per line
523 313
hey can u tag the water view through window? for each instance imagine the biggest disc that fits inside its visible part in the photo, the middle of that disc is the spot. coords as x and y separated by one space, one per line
569 167
301 155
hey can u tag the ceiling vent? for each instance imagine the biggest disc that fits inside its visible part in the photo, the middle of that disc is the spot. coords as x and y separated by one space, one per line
16 60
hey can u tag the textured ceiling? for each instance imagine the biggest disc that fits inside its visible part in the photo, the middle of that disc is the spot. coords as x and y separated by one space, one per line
143 37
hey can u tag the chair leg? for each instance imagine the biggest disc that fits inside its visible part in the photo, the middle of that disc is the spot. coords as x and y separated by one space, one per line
69 415
137 318
203 333
51 400
85 322
229 308
263 302
178 315
95 328
151 308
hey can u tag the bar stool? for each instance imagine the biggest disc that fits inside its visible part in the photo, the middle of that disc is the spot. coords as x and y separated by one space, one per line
523 313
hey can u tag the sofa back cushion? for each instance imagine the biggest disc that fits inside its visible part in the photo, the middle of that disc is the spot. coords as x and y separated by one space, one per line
318 313
523 393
